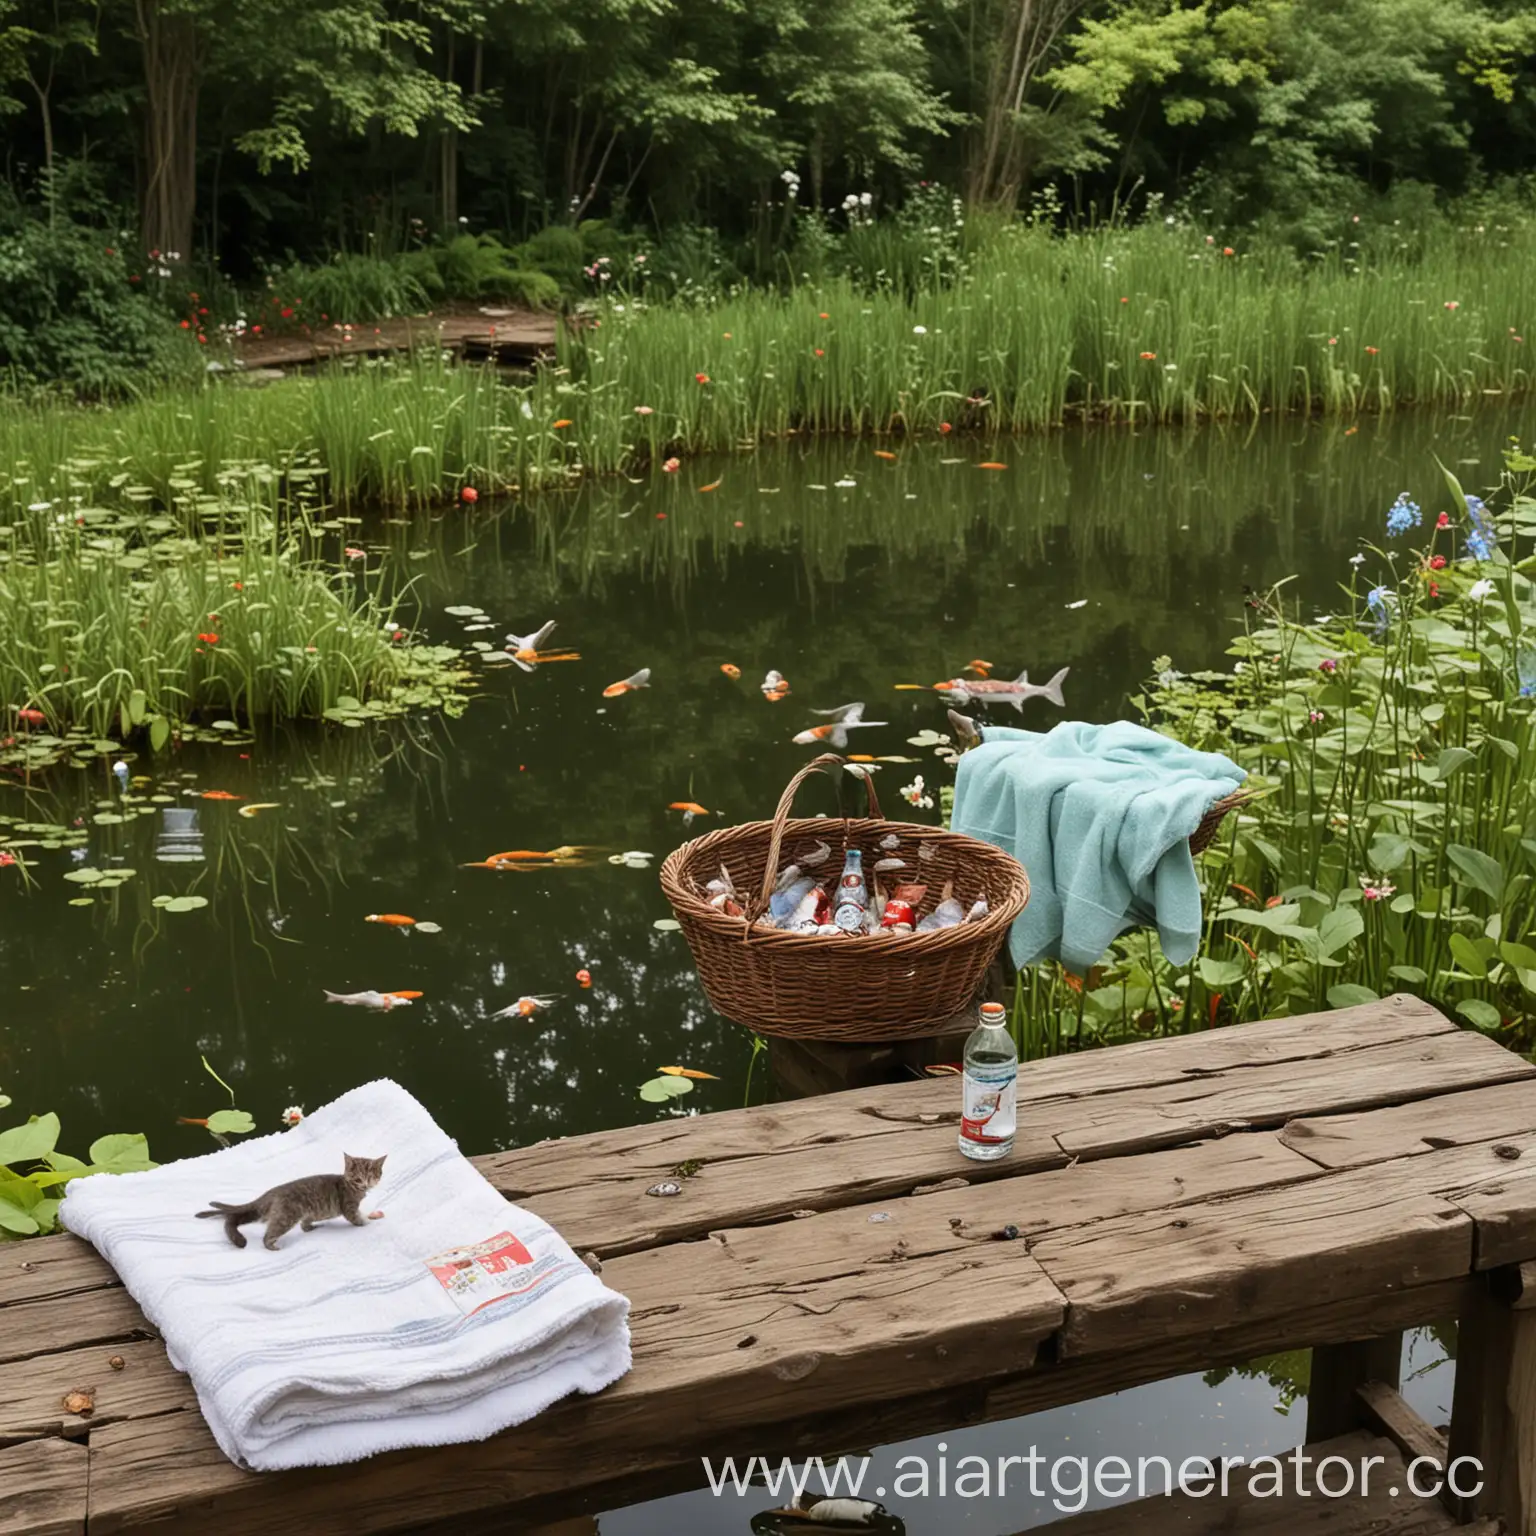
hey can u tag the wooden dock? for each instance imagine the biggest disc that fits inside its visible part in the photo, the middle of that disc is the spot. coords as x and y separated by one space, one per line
834 1276
503 336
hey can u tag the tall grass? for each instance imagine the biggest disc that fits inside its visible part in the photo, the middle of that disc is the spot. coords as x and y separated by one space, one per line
1141 326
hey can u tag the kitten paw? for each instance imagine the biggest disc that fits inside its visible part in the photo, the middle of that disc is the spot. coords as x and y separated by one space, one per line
375 1215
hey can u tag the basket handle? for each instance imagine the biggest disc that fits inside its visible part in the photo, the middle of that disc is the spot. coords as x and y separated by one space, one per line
828 762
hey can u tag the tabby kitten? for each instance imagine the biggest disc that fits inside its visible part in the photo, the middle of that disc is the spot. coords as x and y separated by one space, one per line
302 1202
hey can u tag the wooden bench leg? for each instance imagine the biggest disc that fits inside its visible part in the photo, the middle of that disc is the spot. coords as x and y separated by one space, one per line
1493 1416
1338 1372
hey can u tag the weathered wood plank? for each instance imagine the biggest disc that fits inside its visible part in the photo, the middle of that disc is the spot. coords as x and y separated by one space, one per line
1379 1135
1388 1414
1257 1512
1262 1096
1339 1373
43 1489
1503 1208
70 1322
32 1391
1220 1261
50 1267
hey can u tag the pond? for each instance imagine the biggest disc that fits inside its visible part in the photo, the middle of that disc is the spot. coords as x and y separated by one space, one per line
846 572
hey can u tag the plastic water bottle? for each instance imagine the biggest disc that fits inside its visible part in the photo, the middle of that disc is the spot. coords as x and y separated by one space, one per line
990 1115
852 899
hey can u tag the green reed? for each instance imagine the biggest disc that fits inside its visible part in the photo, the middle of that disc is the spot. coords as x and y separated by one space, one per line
1146 325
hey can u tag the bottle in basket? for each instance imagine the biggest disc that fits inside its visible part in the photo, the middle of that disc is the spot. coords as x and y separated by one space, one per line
990 1083
852 899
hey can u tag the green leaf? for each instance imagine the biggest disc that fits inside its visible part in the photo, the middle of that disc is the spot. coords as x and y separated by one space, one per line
1403 903
123 1152
138 703
230 1122
46 1214
1221 973
159 733
1409 973
219 1080
1452 761
1476 1012
183 903
85 876
1350 994
666 925
16 1212
1388 851
30 1143
1521 956
1339 928
1468 956
124 722
660 1089
1477 869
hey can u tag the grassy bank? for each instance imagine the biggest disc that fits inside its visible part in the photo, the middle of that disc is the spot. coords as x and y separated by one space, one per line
1394 844
1144 325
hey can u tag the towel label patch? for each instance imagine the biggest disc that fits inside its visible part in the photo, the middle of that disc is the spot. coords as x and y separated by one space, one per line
481 1273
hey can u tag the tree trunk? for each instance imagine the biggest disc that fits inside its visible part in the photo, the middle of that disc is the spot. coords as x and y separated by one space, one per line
450 155
172 76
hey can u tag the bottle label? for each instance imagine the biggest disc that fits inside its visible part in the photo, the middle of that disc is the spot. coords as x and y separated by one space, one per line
990 1113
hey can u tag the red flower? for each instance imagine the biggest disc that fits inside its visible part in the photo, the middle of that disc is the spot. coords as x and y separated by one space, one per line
1434 589
209 639
1443 521
255 330
110 251
945 427
1149 357
824 316
186 325
287 314
239 586
469 495
202 340
1227 250
1372 351
820 353
1125 300
1333 341
661 517
1437 562
671 466
702 378
202 311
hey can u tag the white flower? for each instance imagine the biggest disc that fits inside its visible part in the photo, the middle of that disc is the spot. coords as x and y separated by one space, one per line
1357 559
866 199
919 330
915 794
1479 590
790 178
390 626
527 410
292 1115
463 219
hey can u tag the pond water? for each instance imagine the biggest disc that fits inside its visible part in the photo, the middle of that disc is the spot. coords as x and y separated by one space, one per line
845 572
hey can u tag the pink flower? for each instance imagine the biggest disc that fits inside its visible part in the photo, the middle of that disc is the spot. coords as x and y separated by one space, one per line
644 410
1443 521
1327 664
1452 304
671 466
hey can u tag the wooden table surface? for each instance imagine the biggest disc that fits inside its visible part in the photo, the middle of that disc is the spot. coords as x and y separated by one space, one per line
822 1283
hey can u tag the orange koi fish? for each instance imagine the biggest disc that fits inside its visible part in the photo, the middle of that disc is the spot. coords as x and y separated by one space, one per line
565 421
219 794
962 690
391 919
689 807
991 466
697 1076
775 686
402 997
980 668
732 672
524 649
583 978
524 1008
641 679
847 717
714 485
880 453
191 1120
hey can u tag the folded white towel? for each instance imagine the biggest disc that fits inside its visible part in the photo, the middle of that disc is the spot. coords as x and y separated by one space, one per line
347 1341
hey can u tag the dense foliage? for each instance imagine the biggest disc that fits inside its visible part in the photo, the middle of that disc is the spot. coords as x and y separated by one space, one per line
1393 843
248 131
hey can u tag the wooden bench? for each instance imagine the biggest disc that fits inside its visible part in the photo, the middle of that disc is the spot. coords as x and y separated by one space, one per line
1180 1204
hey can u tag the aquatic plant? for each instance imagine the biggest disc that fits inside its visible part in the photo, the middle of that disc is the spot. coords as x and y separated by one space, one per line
29 1201
1393 846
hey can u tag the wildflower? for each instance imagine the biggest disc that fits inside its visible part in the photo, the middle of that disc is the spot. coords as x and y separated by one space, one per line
915 794
239 586
1443 521
390 626
1434 589
945 427
645 410
287 314
661 517
1227 250
565 421
1315 717
1525 669
701 378
1436 563
1149 357
1357 560
820 353
671 466
823 315
469 495
1333 341
1328 664
919 330
1479 590
1124 300
1170 367
1376 601
1452 304
1372 351
292 1115
1376 889
1403 514
209 638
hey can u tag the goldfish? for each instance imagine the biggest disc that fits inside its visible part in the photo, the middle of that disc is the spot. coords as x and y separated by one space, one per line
380 1001
524 649
775 686
692 1072
391 919
403 997
880 453
565 421
690 807
991 466
524 1008
219 794
191 1120
979 667
732 672
641 679
847 717
962 690
583 978
714 485
31 716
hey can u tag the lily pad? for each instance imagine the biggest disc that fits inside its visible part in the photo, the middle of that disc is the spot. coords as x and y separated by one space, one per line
429 927
667 925
230 1122
85 876
180 903
660 1089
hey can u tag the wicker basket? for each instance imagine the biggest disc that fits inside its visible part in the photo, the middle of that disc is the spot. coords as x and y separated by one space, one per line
821 987
1210 824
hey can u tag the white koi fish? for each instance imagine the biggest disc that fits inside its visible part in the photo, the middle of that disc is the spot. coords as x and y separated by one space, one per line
382 1001
964 690
845 718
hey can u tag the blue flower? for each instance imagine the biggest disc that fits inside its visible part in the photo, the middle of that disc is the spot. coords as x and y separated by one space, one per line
1376 601
1484 537
1403 514
1525 666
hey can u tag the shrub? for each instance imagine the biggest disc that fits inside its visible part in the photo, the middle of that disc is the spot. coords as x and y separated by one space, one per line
480 267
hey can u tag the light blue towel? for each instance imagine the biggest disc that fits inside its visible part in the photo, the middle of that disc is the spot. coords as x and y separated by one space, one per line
1100 817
